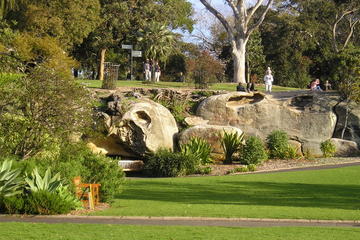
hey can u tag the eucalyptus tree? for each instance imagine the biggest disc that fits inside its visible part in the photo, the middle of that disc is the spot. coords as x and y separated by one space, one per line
246 20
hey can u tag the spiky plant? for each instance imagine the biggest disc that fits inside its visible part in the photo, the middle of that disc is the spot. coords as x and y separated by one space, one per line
199 148
231 143
11 182
48 183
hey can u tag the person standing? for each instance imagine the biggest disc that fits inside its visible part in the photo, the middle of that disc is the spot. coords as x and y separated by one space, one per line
268 79
147 70
157 72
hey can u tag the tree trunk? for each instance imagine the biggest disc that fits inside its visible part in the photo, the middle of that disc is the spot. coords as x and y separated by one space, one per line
346 118
238 52
102 64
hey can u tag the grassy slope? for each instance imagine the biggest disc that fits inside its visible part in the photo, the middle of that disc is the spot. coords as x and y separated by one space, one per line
217 86
322 194
27 231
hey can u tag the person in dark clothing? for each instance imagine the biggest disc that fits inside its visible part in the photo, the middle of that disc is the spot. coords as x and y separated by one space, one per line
240 88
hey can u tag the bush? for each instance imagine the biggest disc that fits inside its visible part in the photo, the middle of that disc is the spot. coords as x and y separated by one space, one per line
279 147
204 170
47 203
251 167
231 143
12 205
165 163
328 148
200 148
253 152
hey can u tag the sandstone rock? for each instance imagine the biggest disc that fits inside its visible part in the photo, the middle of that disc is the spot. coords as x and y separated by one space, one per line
312 147
211 133
108 146
194 121
145 127
352 132
345 148
304 117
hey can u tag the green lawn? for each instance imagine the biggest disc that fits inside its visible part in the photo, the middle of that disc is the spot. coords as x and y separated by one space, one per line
27 231
321 194
217 86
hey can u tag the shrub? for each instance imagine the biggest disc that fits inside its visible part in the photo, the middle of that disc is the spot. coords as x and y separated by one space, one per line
200 148
231 143
253 152
328 148
47 203
279 147
165 163
251 167
12 205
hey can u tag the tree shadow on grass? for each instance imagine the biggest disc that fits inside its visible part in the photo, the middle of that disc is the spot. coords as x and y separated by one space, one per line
249 193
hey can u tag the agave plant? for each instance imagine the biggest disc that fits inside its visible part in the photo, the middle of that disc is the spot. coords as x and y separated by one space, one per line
231 143
199 148
48 183
10 182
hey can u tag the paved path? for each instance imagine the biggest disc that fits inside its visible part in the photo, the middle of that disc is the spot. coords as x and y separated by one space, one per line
181 221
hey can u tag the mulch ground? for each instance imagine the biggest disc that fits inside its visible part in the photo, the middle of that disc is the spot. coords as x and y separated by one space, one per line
279 164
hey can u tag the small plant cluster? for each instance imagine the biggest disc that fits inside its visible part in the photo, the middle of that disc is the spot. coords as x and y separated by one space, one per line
34 194
191 159
328 148
252 151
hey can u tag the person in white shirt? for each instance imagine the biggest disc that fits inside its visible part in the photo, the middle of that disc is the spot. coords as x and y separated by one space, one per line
268 79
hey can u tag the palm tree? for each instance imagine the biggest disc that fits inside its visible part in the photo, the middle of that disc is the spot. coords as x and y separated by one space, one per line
158 41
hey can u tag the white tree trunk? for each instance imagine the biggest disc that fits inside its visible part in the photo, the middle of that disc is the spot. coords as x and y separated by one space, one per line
239 57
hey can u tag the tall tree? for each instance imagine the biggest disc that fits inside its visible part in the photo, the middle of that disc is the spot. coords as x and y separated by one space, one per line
244 25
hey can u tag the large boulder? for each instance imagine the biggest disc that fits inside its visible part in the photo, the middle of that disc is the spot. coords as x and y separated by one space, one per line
345 148
145 127
352 131
305 118
211 133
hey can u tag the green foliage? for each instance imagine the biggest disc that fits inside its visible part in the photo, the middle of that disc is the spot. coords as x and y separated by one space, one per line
253 152
33 110
165 163
179 109
231 143
204 170
328 148
238 170
12 205
278 144
47 203
251 167
48 183
68 21
11 183
200 148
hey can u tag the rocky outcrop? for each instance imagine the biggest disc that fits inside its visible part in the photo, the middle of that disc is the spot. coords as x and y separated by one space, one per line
134 128
211 133
305 118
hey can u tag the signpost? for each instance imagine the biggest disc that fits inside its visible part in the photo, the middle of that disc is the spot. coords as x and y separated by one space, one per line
133 54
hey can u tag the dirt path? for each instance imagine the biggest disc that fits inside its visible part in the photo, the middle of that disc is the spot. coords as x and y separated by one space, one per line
181 221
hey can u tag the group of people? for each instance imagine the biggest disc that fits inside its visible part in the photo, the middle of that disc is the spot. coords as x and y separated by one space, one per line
150 68
250 87
269 79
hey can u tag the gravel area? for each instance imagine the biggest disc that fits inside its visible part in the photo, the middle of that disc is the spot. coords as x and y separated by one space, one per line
273 165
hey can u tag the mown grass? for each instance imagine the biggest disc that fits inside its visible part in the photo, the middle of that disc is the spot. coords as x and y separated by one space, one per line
216 86
321 194
30 231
